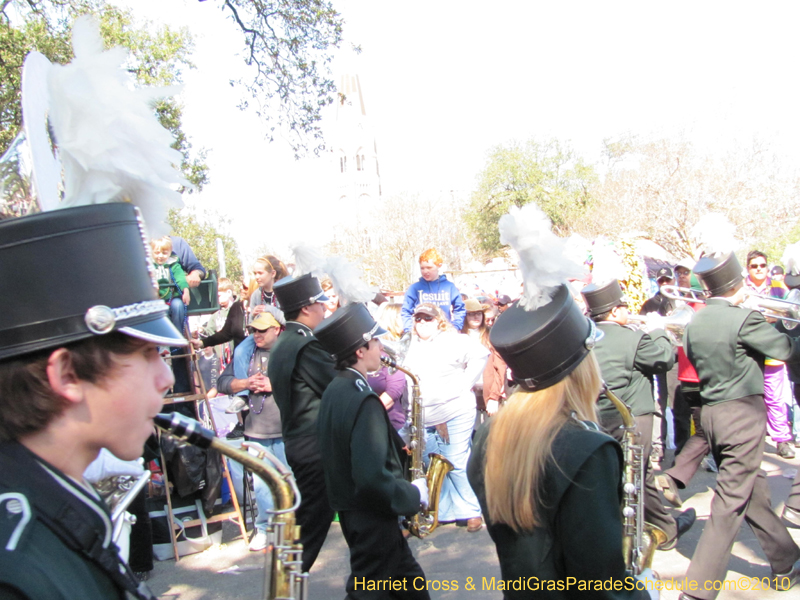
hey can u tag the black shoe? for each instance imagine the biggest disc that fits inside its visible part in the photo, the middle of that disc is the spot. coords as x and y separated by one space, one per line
669 488
236 433
684 522
786 581
785 450
791 515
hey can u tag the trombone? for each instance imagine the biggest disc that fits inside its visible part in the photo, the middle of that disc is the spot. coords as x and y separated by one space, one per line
786 310
673 292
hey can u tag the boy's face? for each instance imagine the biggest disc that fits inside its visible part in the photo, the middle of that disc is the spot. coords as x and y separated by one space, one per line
428 270
161 254
124 403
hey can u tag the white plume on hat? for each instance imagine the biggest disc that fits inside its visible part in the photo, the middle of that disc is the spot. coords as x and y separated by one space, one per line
791 259
308 259
715 234
542 254
110 142
346 279
607 265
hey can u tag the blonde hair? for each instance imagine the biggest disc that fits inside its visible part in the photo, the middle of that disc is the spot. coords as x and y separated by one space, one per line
162 242
388 317
520 440
224 285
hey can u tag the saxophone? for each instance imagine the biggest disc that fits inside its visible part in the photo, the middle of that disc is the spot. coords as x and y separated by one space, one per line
639 539
282 576
425 521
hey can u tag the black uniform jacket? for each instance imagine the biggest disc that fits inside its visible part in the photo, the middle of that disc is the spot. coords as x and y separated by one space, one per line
55 536
626 358
361 451
299 371
582 532
727 345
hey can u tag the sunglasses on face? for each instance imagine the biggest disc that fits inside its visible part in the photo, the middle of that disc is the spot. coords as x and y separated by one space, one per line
254 331
423 318
758 266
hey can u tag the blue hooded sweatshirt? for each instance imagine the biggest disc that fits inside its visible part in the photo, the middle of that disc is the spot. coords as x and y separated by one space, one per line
441 292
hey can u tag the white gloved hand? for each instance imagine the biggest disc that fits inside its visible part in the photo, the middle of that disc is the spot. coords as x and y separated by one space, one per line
422 485
653 320
648 578
492 406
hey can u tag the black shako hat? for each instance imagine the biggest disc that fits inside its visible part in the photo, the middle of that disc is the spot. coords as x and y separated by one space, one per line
73 273
602 298
347 330
296 292
545 345
719 274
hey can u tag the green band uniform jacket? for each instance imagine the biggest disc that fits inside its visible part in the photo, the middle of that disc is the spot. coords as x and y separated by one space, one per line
298 385
581 535
361 451
727 345
627 359
55 536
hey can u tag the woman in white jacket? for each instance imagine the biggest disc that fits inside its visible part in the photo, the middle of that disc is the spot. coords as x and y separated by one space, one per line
448 364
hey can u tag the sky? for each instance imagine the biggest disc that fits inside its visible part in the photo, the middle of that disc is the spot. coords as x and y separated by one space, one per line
445 81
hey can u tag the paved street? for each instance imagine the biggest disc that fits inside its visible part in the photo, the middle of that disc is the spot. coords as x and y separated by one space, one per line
230 572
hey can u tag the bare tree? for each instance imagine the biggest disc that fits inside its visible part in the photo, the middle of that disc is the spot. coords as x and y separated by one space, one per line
659 189
389 240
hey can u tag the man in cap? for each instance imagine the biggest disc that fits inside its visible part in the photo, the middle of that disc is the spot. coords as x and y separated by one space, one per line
245 376
300 369
659 303
502 303
664 306
78 373
727 345
361 456
627 360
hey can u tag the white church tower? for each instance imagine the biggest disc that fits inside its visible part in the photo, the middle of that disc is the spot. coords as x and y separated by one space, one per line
355 153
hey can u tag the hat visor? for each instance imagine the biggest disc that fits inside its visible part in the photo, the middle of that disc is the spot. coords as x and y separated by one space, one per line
322 298
159 331
380 332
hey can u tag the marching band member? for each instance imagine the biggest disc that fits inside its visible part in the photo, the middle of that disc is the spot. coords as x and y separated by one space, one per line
548 480
627 359
727 345
300 370
361 457
80 371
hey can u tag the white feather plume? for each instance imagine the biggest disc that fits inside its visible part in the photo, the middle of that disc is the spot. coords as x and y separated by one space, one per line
308 259
110 142
606 263
346 279
543 258
791 259
714 234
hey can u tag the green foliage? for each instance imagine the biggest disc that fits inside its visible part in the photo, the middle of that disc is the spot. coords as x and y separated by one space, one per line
546 173
158 57
201 231
289 46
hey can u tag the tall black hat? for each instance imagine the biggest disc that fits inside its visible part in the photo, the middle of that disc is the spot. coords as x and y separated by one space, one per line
602 298
74 273
347 330
719 274
296 292
545 345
